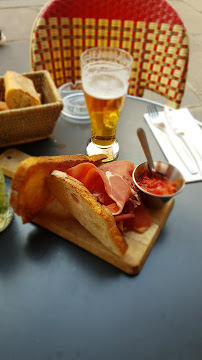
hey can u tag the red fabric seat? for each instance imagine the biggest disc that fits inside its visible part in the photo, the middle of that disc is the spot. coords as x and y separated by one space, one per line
151 31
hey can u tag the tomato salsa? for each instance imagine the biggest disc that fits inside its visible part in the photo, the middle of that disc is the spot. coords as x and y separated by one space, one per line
156 184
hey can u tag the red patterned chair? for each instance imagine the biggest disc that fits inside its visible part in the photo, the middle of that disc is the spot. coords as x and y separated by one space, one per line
150 30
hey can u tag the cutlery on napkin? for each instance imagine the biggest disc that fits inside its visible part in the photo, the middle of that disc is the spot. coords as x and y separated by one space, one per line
172 130
181 141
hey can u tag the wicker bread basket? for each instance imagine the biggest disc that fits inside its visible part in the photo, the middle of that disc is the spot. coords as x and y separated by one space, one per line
33 123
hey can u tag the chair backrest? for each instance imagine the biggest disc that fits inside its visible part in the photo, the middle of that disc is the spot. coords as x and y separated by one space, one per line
151 30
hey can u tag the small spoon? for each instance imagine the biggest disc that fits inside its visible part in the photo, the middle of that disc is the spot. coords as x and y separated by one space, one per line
145 146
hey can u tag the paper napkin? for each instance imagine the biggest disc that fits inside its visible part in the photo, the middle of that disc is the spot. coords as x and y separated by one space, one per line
181 121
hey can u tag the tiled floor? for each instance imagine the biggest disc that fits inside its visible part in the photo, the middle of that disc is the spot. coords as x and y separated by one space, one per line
17 17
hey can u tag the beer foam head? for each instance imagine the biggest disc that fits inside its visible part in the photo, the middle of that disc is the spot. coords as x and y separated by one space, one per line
105 83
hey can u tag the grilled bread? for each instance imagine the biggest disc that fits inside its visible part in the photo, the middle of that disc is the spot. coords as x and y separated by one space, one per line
29 193
96 218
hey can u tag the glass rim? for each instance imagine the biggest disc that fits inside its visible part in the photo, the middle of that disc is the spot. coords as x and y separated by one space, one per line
130 58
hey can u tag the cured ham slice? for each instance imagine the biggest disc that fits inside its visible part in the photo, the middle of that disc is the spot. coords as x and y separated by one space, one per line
122 168
139 220
118 183
112 185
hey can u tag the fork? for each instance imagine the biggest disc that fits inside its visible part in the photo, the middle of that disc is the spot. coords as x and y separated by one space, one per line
153 112
166 127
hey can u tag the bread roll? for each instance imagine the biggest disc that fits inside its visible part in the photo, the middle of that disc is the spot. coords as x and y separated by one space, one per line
3 106
20 91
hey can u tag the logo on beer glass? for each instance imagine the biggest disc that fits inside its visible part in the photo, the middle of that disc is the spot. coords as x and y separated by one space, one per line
105 80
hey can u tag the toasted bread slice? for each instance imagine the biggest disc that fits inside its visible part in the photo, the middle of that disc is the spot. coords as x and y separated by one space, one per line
29 193
96 218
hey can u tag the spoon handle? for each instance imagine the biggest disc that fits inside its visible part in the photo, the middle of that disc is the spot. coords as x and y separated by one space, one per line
145 146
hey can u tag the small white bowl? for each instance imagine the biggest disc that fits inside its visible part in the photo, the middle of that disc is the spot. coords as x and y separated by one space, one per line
75 109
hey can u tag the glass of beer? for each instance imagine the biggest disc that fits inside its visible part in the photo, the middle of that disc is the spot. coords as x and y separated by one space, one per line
105 76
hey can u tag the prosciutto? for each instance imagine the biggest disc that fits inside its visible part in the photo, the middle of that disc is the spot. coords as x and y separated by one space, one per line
112 185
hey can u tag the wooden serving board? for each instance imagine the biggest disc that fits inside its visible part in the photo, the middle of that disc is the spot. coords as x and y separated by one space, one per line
59 221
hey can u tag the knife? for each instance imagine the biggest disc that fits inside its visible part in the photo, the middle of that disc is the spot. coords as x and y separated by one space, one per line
188 129
192 166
